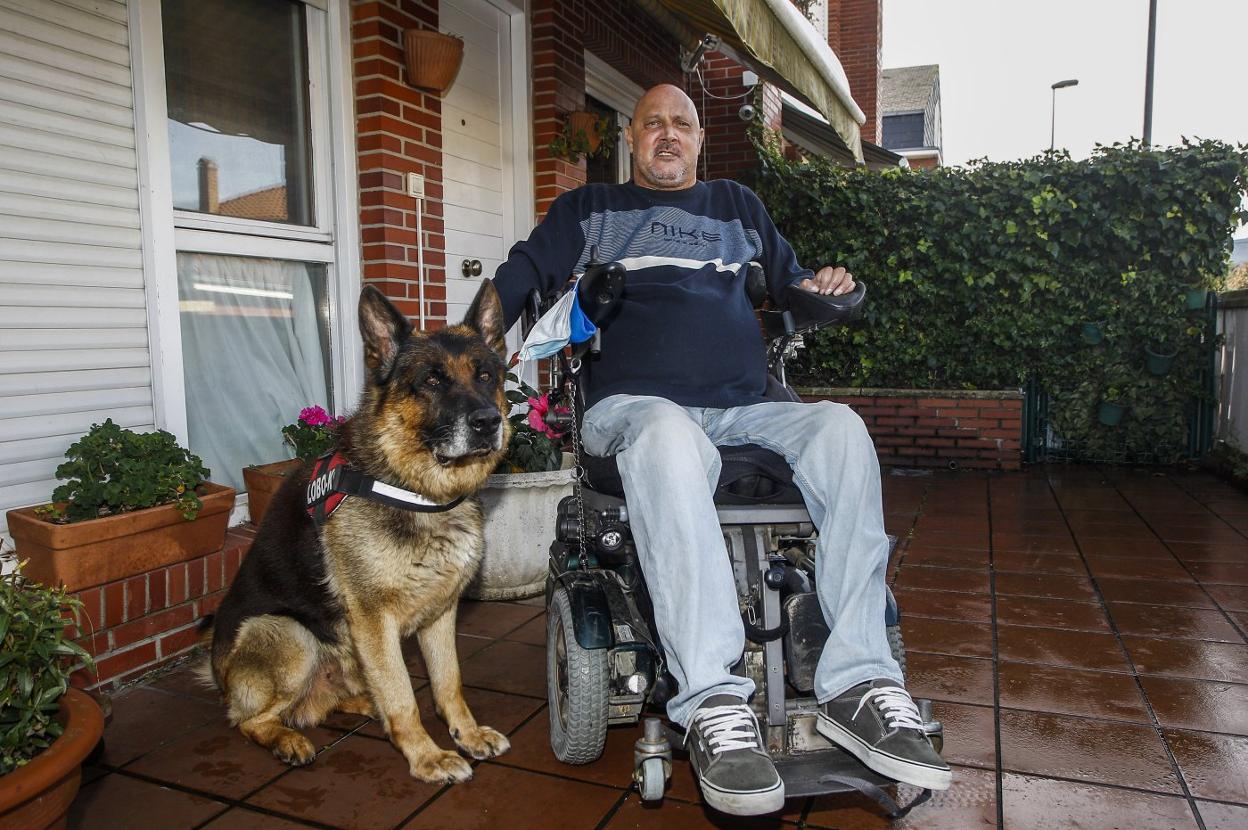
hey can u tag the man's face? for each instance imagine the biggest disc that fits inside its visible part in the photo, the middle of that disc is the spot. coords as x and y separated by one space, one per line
665 139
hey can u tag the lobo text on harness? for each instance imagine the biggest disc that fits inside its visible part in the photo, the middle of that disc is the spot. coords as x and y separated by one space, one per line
331 480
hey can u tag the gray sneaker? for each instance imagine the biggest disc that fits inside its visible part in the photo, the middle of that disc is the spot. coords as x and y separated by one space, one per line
879 725
726 750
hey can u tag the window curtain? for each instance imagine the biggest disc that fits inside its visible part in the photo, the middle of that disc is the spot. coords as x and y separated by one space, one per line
254 348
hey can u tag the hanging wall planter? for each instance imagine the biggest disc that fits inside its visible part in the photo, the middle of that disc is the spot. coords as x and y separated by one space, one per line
1195 299
584 135
433 59
1159 362
1110 414
1091 333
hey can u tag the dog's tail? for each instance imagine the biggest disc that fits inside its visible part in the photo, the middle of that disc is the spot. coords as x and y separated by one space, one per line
203 666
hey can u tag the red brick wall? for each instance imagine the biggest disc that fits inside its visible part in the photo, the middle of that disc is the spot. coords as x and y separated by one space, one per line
937 429
398 130
856 35
138 624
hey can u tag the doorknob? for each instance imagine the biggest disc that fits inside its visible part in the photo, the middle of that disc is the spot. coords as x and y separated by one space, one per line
471 268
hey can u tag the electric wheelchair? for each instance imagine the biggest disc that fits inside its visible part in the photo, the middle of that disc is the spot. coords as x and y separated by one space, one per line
605 661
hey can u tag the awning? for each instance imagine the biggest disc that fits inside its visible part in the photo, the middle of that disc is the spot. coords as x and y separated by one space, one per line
807 128
776 41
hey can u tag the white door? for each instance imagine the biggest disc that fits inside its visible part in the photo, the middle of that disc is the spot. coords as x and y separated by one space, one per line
479 198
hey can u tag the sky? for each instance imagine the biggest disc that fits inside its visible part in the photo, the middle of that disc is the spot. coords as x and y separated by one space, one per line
999 58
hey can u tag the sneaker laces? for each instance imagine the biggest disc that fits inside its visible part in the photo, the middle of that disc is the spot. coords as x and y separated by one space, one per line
725 728
895 704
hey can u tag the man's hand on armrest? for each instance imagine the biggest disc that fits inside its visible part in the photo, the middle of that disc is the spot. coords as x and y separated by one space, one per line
829 280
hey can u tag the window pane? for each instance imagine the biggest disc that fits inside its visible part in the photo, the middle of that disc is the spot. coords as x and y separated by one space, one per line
255 347
239 132
604 169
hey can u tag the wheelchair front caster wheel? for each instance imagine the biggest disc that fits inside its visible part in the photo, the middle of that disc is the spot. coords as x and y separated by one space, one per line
652 779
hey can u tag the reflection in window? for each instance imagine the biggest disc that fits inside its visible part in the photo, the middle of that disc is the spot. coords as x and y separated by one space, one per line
255 346
239 131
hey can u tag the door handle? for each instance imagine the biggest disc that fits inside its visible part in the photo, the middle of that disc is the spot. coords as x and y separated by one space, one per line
471 268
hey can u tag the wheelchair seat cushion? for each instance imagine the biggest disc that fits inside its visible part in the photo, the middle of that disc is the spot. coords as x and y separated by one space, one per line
750 474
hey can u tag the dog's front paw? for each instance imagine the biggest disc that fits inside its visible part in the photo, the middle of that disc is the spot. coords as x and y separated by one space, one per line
481 742
294 749
441 767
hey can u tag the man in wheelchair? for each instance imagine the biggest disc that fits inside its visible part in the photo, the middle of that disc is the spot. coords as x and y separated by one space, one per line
681 372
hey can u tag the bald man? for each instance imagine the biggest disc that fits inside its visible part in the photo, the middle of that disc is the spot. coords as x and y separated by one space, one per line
683 370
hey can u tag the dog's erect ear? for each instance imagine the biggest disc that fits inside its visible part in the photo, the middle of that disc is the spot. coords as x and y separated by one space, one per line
384 329
486 316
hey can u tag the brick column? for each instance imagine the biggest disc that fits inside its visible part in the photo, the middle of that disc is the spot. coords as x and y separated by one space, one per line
558 88
856 35
398 130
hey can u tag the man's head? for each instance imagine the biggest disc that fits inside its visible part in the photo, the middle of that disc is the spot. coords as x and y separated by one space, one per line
665 139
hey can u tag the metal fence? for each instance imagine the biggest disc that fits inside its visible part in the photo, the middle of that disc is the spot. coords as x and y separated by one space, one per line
1231 424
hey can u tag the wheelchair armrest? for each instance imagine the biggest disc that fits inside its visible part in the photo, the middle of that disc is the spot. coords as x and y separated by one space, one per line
809 311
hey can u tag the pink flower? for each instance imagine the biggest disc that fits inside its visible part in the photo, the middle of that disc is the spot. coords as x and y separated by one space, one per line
314 416
538 407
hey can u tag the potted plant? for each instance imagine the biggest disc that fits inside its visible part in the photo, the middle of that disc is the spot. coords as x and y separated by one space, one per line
131 502
521 498
47 727
311 435
432 58
583 135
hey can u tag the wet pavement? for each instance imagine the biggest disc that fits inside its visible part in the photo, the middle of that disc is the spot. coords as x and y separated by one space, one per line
1081 631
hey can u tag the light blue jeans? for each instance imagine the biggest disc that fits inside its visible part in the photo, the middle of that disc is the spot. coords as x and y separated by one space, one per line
669 465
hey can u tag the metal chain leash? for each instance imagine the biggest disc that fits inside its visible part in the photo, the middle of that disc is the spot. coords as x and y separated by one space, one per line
578 472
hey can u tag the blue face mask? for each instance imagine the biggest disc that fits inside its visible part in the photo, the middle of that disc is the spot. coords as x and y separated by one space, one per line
565 323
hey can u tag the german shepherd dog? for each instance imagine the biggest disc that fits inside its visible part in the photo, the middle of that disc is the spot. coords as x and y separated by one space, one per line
314 621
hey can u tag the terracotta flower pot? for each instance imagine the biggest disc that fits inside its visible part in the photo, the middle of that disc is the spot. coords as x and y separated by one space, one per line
588 122
84 554
433 59
263 480
37 796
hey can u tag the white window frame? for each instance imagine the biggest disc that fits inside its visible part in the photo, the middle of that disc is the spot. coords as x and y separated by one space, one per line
614 89
334 240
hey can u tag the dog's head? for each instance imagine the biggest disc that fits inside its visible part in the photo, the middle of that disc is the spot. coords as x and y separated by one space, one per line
433 401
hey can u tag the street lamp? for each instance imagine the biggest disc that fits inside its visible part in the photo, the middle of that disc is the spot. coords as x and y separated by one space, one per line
1053 114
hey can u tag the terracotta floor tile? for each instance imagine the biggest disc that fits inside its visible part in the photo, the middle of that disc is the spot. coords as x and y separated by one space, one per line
465 646
1137 567
494 709
516 668
217 759
1018 543
952 539
1154 592
533 632
942 579
1091 531
1220 534
1214 766
1092 650
1223 816
109 803
919 554
677 815
1209 552
1067 691
515 799
944 605
1052 586
1184 658
240 818
1066 564
1173 621
1229 506
970 803
492 619
953 679
1221 573
1136 548
358 783
185 681
1205 705
1241 618
970 734
1044 804
130 733
1230 597
946 637
931 522
1106 752
1051 613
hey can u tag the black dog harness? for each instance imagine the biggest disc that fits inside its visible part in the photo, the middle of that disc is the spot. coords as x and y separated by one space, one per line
332 480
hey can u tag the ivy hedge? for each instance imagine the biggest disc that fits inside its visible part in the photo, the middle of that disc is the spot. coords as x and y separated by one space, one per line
986 276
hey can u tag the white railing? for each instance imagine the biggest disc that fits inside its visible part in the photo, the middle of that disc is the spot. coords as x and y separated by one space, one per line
1232 421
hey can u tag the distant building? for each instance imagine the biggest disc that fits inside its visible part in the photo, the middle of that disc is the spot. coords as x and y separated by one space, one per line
910 103
1239 254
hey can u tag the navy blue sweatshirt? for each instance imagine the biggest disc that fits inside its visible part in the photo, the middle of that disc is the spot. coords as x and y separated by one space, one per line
685 330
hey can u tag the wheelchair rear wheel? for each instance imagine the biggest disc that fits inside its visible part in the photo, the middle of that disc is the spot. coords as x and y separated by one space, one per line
576 688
